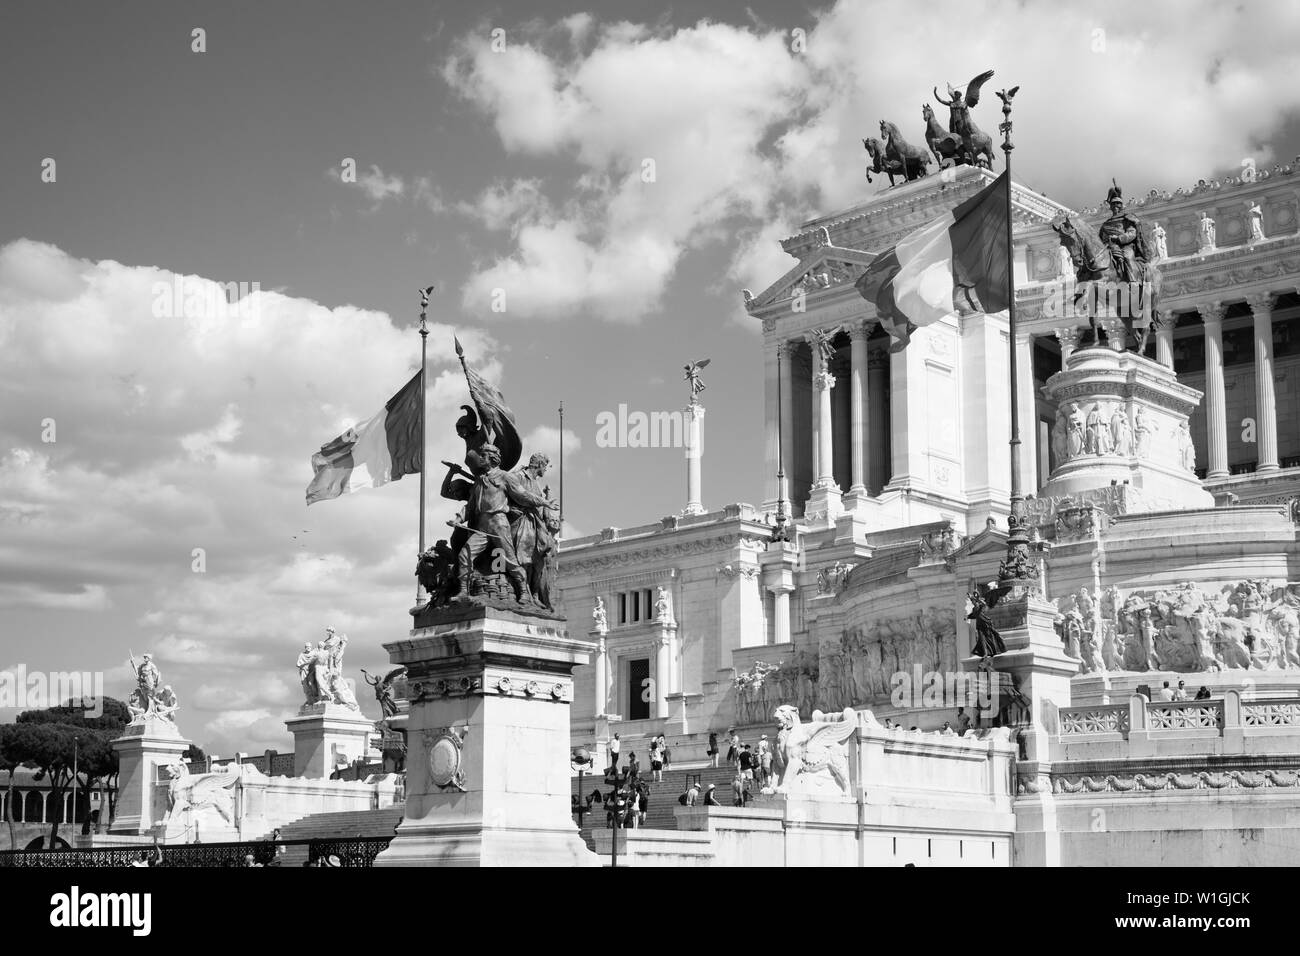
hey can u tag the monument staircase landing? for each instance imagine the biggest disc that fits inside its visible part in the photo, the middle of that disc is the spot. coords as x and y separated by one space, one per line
663 795
342 825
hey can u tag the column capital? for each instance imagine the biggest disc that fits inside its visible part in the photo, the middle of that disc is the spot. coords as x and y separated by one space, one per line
1067 336
1212 312
1164 319
1261 303
824 380
861 331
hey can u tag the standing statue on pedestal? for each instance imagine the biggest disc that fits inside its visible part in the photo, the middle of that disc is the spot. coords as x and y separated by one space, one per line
150 699
533 530
383 687
693 376
1159 241
988 642
1255 216
320 671
1206 232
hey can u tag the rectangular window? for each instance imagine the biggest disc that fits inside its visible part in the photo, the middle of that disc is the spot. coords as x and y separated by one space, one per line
622 608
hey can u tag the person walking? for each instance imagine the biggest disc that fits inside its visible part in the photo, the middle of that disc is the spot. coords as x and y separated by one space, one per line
764 761
615 746
733 749
738 790
656 762
746 762
713 749
633 768
643 804
663 749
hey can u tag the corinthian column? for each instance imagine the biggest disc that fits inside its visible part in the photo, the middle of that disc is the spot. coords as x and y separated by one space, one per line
1216 422
858 333
1261 306
1068 336
823 382
878 460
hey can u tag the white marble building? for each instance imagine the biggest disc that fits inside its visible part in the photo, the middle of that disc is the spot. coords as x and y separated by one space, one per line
897 465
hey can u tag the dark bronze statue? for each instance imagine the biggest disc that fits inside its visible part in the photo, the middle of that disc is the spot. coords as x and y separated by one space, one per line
383 687
988 642
891 166
947 148
1114 273
977 145
503 546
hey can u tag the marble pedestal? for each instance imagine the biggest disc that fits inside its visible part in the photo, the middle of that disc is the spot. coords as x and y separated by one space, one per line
1037 663
487 774
143 750
1143 412
327 736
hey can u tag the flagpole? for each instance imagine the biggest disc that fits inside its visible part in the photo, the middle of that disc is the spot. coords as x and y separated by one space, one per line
420 596
561 466
1016 570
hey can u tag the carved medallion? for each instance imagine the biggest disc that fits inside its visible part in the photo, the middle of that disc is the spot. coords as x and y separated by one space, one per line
445 748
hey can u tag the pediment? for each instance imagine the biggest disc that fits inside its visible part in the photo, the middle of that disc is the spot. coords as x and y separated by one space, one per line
988 541
821 268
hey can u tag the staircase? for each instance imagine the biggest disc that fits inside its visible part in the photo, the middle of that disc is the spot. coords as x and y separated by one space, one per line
342 825
663 795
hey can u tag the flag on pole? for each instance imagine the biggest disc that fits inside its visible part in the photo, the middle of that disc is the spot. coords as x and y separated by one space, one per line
495 416
381 449
958 261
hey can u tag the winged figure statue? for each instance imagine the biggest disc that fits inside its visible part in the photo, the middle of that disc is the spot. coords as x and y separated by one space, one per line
807 753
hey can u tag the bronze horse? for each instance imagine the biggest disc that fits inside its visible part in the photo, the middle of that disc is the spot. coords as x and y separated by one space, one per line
1098 284
898 156
977 145
876 150
947 147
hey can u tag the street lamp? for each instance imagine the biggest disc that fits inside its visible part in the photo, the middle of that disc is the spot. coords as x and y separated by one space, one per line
580 760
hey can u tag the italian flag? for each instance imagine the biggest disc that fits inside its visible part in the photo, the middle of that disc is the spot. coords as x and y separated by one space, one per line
381 449
958 262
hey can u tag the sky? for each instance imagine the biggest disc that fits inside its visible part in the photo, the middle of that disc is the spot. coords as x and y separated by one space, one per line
588 187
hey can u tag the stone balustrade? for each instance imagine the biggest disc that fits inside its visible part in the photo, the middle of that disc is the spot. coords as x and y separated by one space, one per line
1141 728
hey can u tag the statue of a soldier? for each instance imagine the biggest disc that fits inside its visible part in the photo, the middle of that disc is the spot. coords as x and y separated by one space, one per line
1125 238
488 499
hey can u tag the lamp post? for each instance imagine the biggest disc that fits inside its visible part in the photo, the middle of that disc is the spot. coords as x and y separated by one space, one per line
580 761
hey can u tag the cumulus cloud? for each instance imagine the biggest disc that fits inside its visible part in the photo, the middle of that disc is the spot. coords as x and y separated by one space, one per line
378 185
749 137
171 504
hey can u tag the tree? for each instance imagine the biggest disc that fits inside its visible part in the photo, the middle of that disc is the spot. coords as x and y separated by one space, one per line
54 740
197 758
10 764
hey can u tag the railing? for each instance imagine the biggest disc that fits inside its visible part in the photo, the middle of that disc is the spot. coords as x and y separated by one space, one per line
1186 715
1271 714
1101 719
355 852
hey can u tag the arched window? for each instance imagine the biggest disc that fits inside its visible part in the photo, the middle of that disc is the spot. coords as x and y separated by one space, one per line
33 805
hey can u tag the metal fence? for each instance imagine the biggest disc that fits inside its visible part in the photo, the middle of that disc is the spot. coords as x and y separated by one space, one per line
354 852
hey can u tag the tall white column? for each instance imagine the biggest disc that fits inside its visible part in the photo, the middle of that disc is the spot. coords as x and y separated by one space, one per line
694 452
780 615
663 678
1068 336
1165 338
772 421
602 678
1027 399
784 357
1261 307
823 381
858 333
1216 422
878 460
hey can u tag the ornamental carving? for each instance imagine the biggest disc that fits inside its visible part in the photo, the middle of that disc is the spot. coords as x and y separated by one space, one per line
1156 782
1248 625
831 580
664 553
854 670
445 747
936 546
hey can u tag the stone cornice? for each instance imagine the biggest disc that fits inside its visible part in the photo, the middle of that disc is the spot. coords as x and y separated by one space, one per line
665 549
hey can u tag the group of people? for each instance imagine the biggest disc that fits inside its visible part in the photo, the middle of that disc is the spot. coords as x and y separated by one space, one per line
751 763
1168 694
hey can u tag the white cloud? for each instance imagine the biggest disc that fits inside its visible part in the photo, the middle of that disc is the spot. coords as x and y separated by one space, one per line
196 432
749 138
